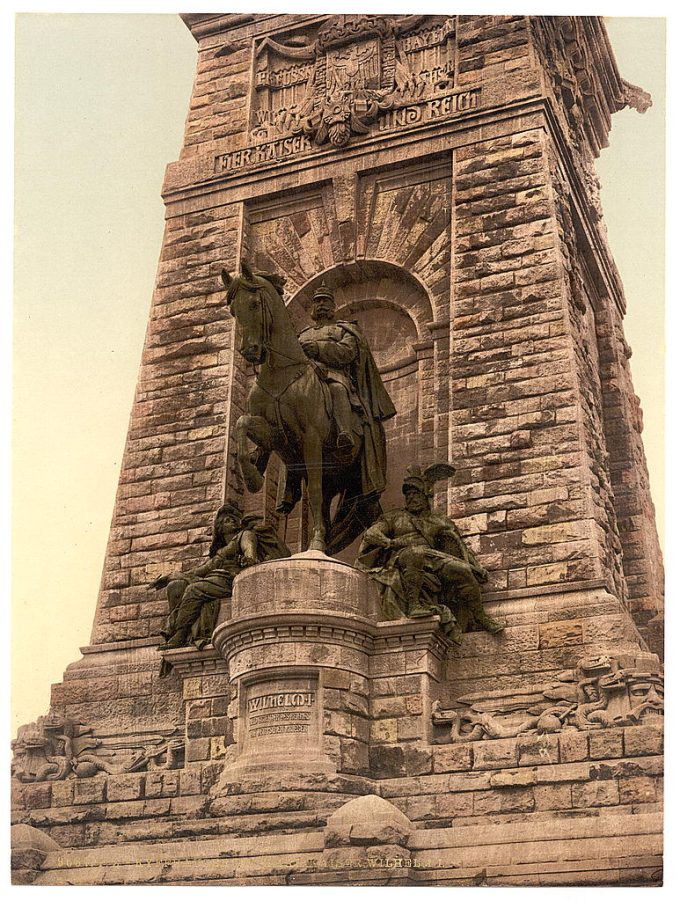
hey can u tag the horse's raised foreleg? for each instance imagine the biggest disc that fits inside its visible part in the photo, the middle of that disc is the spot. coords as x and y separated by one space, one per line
255 429
313 454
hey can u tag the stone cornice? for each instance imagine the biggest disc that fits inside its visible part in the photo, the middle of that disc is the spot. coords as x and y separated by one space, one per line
348 631
190 661
195 177
412 635
204 24
243 26
508 594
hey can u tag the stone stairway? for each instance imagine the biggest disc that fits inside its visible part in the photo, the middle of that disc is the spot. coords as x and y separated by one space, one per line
605 850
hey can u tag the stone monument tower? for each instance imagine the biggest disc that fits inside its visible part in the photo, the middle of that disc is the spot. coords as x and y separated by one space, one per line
435 175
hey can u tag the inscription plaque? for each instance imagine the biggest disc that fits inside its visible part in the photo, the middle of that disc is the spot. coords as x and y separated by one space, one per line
284 707
444 107
279 712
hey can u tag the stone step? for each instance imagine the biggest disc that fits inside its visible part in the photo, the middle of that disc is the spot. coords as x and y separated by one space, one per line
607 850
168 828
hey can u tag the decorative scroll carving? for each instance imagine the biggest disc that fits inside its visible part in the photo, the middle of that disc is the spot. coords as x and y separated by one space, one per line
600 692
358 66
55 747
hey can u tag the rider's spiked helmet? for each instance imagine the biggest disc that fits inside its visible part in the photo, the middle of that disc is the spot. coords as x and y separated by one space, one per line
323 292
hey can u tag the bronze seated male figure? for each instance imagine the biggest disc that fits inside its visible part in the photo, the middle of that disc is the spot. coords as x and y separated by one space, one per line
194 596
422 564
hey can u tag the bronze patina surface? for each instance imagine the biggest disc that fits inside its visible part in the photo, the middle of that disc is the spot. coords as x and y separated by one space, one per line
421 561
318 402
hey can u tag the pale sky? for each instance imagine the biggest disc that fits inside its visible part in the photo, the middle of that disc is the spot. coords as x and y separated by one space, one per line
100 108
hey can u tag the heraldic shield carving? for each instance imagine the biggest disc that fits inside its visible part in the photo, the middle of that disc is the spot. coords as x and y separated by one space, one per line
336 85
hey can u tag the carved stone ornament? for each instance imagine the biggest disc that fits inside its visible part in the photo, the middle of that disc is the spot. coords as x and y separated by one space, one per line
600 692
357 66
636 98
55 747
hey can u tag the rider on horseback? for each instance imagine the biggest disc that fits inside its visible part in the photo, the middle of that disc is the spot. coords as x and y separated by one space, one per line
339 454
335 347
360 403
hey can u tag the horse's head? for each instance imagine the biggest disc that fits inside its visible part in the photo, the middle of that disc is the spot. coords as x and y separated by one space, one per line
247 302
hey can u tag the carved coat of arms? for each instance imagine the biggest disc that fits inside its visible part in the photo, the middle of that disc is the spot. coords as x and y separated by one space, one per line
355 68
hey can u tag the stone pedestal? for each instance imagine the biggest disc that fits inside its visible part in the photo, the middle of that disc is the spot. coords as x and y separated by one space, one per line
299 628
319 685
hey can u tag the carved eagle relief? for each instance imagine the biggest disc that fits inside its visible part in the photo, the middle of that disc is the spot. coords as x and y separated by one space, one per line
357 70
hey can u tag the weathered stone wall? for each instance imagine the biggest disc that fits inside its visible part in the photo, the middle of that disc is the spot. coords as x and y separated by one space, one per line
635 515
582 96
462 230
527 779
217 110
530 777
172 471
514 388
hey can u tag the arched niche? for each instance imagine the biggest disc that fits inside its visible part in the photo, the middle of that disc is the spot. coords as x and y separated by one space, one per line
391 333
369 280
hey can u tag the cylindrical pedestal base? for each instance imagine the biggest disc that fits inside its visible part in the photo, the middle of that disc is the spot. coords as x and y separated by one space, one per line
297 647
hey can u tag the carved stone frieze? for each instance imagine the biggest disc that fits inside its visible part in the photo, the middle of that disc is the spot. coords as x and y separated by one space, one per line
55 747
335 84
600 692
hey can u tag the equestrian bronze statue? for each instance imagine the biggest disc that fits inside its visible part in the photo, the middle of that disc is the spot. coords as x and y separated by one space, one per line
335 444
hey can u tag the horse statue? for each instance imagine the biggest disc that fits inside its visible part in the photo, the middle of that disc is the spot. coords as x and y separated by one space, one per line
290 413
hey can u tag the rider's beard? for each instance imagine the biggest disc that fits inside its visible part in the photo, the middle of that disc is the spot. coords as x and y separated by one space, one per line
416 505
322 314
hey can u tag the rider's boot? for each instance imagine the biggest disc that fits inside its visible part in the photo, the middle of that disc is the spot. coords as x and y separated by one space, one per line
343 417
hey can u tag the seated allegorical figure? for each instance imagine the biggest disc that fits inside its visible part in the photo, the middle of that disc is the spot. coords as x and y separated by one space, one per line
194 596
421 562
